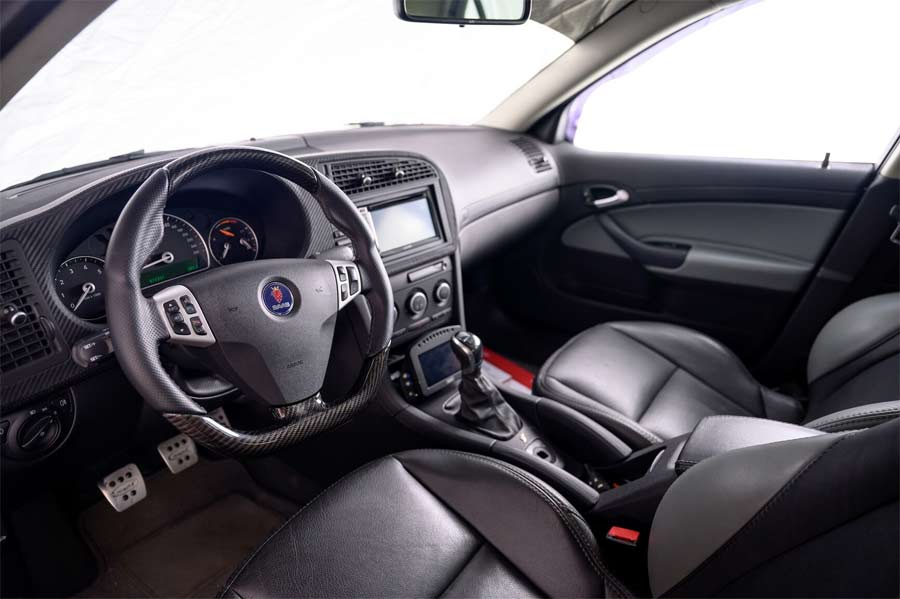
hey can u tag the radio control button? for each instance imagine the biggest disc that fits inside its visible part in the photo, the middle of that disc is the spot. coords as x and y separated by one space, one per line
417 304
442 292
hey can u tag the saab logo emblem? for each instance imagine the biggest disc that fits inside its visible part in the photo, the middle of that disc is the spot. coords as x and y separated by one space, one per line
278 299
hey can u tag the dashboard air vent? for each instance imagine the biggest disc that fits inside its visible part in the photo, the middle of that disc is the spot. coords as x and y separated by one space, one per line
533 153
357 176
26 340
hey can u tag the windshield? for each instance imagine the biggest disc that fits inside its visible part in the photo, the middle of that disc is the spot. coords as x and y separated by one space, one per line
169 74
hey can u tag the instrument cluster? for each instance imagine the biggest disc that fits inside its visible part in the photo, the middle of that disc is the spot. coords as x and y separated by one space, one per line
193 241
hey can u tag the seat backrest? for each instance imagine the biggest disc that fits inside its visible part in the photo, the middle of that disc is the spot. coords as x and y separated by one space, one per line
809 517
855 360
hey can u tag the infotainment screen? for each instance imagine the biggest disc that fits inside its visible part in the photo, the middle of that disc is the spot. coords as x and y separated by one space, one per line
403 224
438 363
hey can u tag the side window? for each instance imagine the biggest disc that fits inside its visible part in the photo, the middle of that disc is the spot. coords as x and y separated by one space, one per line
771 79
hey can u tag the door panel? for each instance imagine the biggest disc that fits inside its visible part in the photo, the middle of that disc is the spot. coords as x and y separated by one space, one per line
725 246
760 245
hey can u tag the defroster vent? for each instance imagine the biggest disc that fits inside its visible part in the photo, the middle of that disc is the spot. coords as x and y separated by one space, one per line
357 176
533 153
26 340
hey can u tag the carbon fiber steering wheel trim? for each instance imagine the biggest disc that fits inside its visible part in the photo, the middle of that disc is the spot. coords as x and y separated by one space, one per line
138 328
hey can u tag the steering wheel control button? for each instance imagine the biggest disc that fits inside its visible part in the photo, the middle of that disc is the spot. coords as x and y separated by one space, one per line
188 305
197 325
170 302
178 453
124 487
277 298
347 277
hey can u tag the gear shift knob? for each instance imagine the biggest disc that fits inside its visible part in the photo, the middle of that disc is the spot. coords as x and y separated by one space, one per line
469 351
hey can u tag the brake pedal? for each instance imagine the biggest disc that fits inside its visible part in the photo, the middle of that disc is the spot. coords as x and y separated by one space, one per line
179 453
219 416
124 487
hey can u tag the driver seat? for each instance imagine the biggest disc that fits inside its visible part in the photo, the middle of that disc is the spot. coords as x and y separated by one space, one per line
431 523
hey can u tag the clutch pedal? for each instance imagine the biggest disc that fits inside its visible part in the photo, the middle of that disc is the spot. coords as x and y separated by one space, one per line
124 487
179 453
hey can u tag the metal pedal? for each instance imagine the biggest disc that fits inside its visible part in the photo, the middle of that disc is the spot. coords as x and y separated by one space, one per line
124 487
219 416
178 453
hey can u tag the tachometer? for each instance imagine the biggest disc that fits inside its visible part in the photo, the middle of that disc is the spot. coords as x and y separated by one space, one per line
79 285
232 240
181 252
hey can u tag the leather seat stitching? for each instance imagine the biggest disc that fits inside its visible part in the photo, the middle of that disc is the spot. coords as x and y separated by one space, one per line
608 412
759 515
861 354
857 420
561 510
243 566
464 566
656 393
695 376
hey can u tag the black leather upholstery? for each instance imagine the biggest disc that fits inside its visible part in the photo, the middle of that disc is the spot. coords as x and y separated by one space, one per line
442 523
812 517
715 435
652 381
429 523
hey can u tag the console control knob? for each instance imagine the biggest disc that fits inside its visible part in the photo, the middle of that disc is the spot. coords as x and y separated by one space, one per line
442 292
14 316
39 432
417 304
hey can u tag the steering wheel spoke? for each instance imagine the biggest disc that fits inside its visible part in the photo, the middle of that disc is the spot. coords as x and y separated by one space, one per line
184 320
269 324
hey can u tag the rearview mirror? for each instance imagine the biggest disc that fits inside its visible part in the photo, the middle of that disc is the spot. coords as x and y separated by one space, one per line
464 12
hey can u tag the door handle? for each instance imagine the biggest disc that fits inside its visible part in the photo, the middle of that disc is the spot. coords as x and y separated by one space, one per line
603 196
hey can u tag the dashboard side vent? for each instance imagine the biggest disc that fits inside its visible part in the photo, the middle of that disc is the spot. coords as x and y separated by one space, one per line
357 176
533 153
27 340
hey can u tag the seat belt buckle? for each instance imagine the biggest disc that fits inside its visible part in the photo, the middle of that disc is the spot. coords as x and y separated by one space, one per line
623 536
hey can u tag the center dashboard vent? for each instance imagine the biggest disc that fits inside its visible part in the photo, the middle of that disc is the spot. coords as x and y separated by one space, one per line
357 176
533 153
23 338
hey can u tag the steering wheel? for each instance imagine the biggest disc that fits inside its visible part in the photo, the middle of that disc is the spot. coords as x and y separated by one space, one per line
267 326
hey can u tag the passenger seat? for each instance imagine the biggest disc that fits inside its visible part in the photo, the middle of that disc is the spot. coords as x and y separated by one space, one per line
647 382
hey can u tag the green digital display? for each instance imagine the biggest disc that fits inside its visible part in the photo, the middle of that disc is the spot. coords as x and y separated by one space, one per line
163 273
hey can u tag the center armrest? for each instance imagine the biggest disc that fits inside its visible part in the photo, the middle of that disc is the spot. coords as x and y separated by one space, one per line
715 435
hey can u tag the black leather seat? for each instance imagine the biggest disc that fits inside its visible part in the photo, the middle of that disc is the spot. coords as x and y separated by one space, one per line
440 523
647 382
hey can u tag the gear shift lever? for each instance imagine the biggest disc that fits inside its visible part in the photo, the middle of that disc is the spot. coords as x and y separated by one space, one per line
481 404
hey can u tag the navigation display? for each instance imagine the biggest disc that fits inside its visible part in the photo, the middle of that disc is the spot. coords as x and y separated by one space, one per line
403 224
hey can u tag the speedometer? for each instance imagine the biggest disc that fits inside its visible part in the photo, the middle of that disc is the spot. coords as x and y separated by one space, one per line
181 252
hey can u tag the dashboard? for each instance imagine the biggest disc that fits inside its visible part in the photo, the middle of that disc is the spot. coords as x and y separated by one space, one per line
432 206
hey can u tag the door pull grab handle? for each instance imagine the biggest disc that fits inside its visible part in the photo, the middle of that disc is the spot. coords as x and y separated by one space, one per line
616 197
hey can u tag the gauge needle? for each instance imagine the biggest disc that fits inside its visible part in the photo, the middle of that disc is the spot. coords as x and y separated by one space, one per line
225 251
166 258
226 232
246 244
86 290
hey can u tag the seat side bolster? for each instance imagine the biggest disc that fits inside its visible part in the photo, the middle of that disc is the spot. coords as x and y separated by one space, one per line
853 332
856 418
733 517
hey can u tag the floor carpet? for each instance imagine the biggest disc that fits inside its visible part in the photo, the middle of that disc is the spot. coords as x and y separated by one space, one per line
186 537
